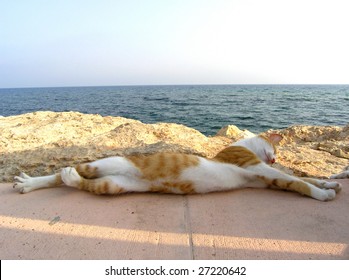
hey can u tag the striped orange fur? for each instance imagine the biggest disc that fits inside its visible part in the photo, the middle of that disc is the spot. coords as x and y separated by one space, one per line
185 187
163 165
237 155
99 186
283 184
87 171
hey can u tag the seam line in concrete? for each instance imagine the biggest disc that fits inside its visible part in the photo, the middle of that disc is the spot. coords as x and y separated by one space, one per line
188 226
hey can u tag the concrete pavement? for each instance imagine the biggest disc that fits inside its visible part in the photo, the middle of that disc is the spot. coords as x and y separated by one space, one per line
64 223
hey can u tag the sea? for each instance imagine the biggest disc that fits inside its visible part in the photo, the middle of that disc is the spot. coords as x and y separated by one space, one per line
206 108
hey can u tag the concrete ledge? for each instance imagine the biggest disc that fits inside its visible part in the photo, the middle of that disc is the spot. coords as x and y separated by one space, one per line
65 223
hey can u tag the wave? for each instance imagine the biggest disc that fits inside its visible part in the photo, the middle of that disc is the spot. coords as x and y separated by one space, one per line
147 98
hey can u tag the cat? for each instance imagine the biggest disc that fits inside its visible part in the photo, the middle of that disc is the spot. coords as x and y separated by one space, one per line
246 163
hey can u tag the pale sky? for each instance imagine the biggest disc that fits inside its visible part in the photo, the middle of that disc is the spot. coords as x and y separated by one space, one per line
149 42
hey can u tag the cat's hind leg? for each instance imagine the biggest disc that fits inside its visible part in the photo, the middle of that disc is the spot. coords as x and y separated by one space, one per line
107 166
112 184
25 183
97 169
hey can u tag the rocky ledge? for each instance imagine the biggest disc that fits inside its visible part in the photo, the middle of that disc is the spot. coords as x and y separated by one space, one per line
43 142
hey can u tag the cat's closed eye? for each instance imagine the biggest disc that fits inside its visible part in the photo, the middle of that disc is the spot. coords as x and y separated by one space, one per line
270 157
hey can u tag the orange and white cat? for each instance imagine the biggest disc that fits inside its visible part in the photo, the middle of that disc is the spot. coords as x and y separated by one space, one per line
246 163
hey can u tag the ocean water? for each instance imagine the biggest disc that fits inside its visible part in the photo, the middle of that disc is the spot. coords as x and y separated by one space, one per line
206 108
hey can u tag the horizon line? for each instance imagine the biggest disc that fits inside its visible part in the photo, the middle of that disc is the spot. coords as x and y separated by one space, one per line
194 84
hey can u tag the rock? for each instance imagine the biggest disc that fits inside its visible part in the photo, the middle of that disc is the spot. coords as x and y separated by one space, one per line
234 133
315 151
41 143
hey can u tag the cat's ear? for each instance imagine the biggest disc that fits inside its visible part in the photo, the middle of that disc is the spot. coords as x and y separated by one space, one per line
275 138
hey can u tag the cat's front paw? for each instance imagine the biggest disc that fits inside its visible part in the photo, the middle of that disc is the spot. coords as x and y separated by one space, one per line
23 183
71 177
323 194
337 187
331 194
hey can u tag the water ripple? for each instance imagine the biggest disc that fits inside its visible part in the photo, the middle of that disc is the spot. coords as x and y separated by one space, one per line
206 108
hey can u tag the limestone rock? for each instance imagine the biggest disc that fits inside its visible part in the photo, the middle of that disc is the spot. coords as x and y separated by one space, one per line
234 133
43 142
316 151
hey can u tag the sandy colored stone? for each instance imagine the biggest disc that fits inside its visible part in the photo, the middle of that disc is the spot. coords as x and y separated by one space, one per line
316 151
43 142
234 133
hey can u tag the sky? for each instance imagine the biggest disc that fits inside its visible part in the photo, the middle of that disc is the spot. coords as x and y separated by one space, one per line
157 42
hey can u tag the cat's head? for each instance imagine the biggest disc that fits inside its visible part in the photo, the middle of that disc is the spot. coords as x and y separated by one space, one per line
263 145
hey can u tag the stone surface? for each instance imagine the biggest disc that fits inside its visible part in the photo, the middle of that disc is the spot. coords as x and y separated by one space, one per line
317 151
41 143
234 133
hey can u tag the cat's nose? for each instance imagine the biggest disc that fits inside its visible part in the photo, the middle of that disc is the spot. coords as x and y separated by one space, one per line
272 160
